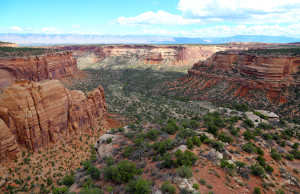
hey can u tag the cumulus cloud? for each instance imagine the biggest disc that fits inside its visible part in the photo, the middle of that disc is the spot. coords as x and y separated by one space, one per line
227 31
16 28
241 10
206 11
159 17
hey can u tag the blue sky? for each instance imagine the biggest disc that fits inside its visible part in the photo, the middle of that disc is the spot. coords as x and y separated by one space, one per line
185 18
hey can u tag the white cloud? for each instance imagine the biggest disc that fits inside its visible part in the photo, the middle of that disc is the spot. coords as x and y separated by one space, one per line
16 28
159 17
242 10
227 31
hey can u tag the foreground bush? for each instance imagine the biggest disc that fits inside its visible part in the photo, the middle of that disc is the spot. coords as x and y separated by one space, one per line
139 186
167 187
121 173
185 172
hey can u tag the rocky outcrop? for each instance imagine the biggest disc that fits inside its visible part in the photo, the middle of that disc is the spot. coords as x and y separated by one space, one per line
8 44
268 82
9 148
38 113
36 68
152 54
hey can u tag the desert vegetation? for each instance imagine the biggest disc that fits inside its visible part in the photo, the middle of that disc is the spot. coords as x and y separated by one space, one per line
24 51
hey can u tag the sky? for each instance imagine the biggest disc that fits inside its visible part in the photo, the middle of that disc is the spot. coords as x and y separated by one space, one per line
176 18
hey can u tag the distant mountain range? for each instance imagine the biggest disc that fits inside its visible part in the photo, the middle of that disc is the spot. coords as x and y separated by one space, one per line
48 39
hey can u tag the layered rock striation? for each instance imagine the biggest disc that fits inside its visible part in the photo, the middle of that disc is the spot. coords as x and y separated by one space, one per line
264 82
263 72
37 68
151 54
34 114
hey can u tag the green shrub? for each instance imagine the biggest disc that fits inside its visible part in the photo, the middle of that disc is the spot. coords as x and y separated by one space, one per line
248 123
269 169
68 180
187 158
224 137
248 135
94 172
264 126
202 181
261 161
185 133
190 144
279 191
275 155
94 190
59 190
219 146
168 161
256 190
241 107
196 186
152 134
194 124
185 172
127 151
196 141
259 151
121 173
139 186
109 161
289 157
261 115
249 147
295 146
108 140
170 128
258 170
167 187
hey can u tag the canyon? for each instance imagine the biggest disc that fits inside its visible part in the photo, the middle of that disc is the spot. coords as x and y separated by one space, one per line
35 114
36 68
269 82
150 54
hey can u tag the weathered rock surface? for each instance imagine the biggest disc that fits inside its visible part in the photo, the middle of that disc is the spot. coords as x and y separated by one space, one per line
9 148
37 113
48 66
151 54
263 82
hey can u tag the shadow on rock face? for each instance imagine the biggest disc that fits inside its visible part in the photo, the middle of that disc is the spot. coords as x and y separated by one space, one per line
6 78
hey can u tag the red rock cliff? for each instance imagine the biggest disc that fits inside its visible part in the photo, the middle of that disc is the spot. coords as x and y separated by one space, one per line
175 54
33 114
275 72
49 66
264 82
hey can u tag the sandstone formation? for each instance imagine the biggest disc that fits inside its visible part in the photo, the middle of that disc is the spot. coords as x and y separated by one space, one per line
152 54
48 66
264 82
2 44
9 148
33 114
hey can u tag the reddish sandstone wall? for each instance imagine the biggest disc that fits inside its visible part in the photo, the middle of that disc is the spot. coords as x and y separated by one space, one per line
49 66
152 54
33 114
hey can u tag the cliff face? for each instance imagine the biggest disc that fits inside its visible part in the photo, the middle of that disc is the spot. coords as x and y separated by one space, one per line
152 54
260 81
9 45
276 72
49 66
33 114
